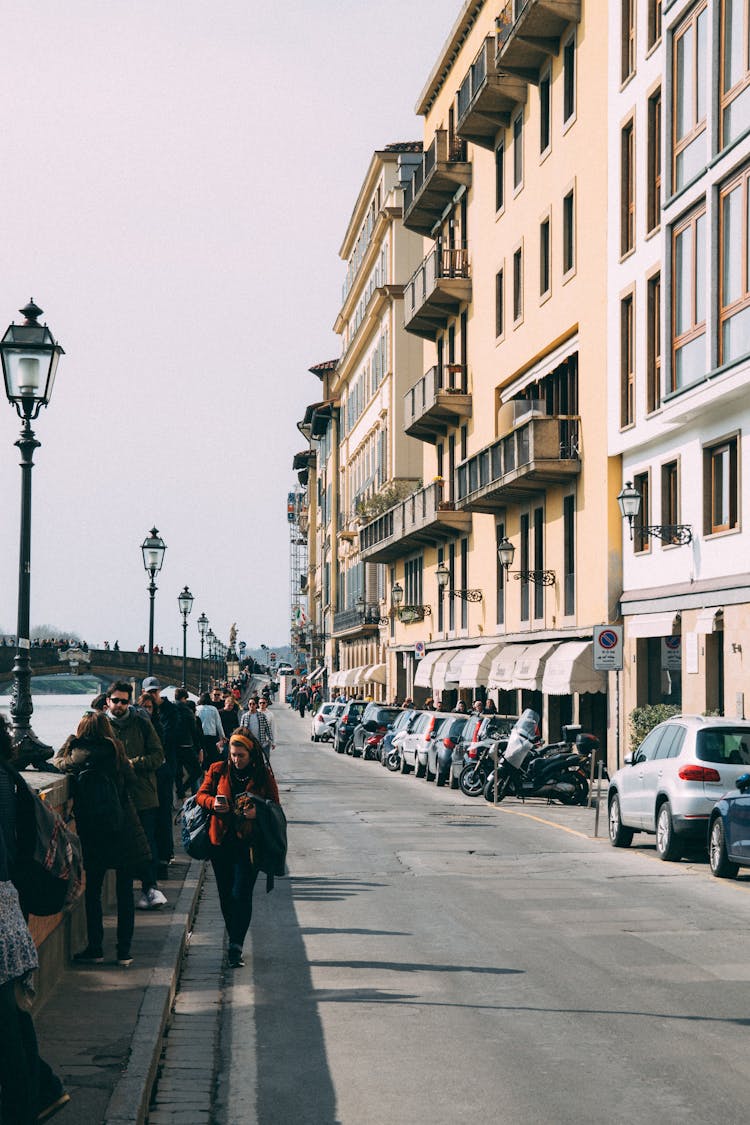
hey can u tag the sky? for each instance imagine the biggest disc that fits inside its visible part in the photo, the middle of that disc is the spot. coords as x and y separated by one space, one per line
176 181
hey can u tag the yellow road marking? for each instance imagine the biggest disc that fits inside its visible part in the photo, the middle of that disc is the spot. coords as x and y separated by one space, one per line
551 823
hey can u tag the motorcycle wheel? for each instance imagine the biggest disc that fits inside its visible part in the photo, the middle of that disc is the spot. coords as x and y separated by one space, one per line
471 781
582 792
503 788
393 762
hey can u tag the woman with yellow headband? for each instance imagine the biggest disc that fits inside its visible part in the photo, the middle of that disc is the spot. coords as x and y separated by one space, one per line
226 793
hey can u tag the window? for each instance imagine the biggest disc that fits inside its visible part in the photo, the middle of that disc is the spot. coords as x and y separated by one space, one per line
545 90
518 151
499 303
413 581
569 80
627 46
643 519
569 555
451 586
464 442
518 285
569 233
464 582
499 536
720 486
735 68
544 265
689 300
654 22
689 81
653 193
538 561
524 568
627 188
440 596
653 343
500 176
627 361
734 285
670 494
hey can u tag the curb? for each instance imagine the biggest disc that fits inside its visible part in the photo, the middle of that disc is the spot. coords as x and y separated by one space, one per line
131 1096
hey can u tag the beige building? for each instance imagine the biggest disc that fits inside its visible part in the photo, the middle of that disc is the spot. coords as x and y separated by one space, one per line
509 302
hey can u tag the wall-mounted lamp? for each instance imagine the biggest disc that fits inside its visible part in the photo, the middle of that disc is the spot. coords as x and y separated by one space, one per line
443 576
407 614
506 553
676 534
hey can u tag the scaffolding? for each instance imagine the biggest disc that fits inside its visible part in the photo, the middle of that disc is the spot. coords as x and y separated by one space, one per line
296 514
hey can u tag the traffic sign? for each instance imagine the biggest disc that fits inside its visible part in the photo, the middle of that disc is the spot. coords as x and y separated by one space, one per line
608 648
419 650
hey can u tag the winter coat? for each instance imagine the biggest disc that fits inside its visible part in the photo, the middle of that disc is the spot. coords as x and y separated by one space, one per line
143 747
215 781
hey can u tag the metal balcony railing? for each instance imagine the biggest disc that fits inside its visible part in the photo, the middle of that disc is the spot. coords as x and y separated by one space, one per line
548 446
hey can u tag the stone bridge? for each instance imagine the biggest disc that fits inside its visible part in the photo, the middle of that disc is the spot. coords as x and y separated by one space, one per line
106 664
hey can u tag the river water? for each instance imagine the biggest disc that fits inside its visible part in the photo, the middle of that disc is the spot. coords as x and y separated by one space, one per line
55 716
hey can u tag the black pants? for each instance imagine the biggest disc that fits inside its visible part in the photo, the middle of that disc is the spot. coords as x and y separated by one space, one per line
235 880
125 908
27 1083
188 771
147 818
165 788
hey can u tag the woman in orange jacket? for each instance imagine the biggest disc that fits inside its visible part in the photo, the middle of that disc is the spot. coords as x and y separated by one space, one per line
224 793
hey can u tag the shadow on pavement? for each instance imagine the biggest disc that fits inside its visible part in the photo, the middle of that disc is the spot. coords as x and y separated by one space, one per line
314 889
409 967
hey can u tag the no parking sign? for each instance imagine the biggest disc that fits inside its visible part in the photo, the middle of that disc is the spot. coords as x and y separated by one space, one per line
608 648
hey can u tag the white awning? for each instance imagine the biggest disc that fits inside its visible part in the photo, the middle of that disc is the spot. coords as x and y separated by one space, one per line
375 674
541 368
333 679
318 672
709 620
652 624
528 672
350 677
501 672
423 675
447 671
477 665
571 669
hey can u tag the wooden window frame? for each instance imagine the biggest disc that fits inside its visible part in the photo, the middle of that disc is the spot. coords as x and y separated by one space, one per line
653 343
654 156
517 151
545 257
627 40
670 493
654 23
730 447
627 187
500 303
697 328
545 112
641 542
742 182
500 177
570 77
569 555
518 269
627 359
569 233
726 97
698 125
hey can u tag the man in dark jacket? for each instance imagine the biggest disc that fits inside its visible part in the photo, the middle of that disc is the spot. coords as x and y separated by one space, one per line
174 725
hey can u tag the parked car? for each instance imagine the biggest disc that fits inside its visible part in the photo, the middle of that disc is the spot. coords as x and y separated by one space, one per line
672 782
440 749
347 721
324 721
729 831
389 754
414 745
375 720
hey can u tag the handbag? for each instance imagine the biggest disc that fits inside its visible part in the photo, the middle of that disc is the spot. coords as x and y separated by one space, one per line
194 829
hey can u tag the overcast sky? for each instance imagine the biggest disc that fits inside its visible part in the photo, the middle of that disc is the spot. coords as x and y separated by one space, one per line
176 180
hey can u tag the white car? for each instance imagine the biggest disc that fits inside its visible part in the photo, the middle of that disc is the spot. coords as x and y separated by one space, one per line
324 720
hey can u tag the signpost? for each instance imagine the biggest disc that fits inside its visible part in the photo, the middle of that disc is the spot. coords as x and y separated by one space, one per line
608 658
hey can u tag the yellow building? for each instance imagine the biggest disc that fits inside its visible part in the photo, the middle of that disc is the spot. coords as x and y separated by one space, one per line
510 302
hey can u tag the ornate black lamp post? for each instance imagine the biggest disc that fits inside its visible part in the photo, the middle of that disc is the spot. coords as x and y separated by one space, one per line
202 630
210 637
29 356
153 548
185 602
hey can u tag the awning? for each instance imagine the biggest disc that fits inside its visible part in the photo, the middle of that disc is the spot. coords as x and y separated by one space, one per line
447 671
652 624
528 672
349 677
375 674
317 673
423 675
501 672
334 679
476 667
360 677
541 368
571 669
709 620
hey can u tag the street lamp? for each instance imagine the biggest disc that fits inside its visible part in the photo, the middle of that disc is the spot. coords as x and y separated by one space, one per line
202 630
675 534
153 548
210 637
30 356
506 552
185 602
443 576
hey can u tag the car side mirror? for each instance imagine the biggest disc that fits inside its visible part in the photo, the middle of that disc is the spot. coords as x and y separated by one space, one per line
743 782
629 759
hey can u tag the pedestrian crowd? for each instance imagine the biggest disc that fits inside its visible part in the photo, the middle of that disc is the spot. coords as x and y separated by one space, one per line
127 761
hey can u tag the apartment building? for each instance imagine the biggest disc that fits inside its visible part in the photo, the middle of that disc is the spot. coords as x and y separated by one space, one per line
363 459
510 303
679 345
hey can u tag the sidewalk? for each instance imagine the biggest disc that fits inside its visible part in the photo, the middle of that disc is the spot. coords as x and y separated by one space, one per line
102 1026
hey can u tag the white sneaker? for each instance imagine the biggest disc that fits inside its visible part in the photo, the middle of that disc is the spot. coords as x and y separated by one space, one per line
155 898
142 903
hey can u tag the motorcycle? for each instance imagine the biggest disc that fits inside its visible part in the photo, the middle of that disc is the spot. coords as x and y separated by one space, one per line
473 776
556 772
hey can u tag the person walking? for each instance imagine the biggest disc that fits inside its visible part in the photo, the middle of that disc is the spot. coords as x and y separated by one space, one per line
191 743
265 712
111 835
229 715
303 698
257 724
214 738
230 831
174 725
143 748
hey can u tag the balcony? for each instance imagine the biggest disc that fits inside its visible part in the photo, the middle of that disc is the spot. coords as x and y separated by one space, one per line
529 33
436 291
357 621
443 170
486 98
437 401
423 519
542 451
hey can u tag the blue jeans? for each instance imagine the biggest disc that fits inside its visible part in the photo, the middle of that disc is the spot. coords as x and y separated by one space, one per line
235 881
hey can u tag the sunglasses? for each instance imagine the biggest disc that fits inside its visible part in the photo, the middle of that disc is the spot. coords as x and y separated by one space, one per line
118 699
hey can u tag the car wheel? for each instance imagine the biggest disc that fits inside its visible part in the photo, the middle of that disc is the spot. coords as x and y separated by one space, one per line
721 865
619 835
439 776
454 780
420 769
338 747
404 767
667 847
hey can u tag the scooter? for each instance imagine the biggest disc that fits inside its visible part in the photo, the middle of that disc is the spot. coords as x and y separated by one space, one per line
555 772
478 766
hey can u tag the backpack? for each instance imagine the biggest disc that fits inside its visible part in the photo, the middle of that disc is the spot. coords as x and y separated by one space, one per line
98 809
48 872
194 829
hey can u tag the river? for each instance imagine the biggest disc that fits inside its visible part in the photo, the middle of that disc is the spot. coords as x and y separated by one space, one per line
55 716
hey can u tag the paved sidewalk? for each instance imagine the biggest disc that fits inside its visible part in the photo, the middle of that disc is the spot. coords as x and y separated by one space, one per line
101 1028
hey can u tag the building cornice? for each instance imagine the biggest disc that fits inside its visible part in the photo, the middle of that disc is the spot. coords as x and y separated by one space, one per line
459 33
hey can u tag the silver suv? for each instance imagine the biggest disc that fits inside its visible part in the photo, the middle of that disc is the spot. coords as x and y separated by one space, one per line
673 780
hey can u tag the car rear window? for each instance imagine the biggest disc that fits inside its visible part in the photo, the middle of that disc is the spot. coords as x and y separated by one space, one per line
385 715
729 746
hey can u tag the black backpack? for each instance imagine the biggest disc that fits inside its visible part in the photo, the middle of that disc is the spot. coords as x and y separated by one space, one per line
269 839
98 809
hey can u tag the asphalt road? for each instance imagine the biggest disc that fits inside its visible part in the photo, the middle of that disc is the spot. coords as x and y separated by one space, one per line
432 959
